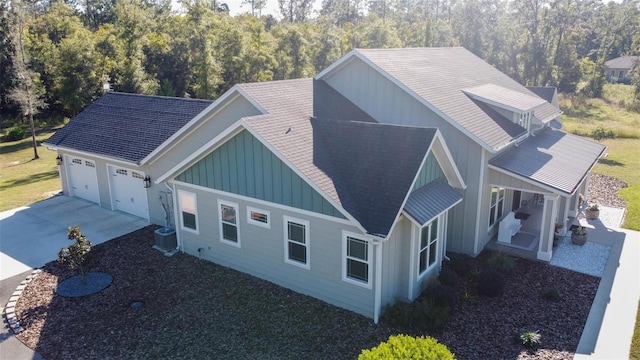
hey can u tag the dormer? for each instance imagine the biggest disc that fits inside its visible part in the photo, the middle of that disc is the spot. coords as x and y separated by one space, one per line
513 105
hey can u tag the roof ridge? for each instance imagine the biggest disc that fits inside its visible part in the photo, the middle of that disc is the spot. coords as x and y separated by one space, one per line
119 93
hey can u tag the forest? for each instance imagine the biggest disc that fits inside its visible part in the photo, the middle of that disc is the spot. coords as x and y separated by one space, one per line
57 55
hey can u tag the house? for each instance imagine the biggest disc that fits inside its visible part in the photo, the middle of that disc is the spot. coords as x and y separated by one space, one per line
619 69
349 187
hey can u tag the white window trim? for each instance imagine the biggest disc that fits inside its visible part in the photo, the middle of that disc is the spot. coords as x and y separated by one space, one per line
195 205
258 223
496 220
428 269
221 222
345 278
286 221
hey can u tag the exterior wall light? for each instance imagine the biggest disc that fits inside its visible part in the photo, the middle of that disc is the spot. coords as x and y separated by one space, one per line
147 182
59 160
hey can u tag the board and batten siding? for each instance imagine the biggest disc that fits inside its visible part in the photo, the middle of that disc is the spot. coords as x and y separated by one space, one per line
244 166
430 171
388 103
261 253
395 257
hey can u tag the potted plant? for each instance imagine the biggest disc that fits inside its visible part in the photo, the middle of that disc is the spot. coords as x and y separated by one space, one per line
592 212
579 235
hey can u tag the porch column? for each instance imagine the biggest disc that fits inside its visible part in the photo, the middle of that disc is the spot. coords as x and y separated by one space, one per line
549 214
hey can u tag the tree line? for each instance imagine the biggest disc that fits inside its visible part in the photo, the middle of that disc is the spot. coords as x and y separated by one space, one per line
56 55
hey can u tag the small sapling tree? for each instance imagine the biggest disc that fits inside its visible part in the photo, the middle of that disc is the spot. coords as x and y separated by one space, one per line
75 256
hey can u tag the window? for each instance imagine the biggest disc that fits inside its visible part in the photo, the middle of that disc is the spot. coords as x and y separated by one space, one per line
296 242
258 217
356 265
188 211
497 205
428 246
229 223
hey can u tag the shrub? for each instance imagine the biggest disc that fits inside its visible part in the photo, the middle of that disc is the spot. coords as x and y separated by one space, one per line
469 298
408 347
76 255
530 338
461 264
448 277
397 315
490 283
602 133
552 294
428 316
443 295
15 133
500 262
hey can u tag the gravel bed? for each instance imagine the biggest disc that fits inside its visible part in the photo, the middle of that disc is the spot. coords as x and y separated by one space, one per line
590 258
194 309
603 190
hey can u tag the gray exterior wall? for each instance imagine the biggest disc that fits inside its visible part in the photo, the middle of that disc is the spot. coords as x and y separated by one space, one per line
387 103
261 253
395 260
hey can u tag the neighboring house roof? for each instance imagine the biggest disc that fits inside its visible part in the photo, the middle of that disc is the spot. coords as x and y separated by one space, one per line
623 62
365 167
552 158
431 200
436 76
126 126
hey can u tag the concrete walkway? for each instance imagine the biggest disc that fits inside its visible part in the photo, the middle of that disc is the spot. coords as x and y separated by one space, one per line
609 327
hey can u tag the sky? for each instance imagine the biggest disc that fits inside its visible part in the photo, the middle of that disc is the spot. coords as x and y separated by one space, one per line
236 7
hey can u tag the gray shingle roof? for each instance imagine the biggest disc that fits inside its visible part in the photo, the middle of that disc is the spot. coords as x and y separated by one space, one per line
438 76
552 158
517 101
126 126
545 92
350 162
431 200
623 62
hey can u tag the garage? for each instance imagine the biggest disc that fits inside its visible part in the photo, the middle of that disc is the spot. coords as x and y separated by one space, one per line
82 178
128 193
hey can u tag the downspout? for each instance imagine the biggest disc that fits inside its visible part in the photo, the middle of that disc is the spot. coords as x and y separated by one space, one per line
378 282
175 214
479 198
444 236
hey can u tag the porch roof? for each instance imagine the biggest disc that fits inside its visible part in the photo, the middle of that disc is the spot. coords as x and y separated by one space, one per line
552 158
431 200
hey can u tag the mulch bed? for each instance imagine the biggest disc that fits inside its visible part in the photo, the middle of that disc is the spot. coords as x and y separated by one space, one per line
196 309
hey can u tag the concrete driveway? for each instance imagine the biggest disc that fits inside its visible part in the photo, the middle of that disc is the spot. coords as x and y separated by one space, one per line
31 236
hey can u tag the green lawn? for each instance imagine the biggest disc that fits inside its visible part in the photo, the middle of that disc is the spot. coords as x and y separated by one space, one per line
23 180
582 115
634 353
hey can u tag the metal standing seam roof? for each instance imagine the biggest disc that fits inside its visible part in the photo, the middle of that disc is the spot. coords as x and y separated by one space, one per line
553 158
365 167
431 200
438 76
126 126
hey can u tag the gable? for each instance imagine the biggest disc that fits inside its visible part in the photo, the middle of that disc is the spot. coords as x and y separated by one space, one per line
244 166
430 172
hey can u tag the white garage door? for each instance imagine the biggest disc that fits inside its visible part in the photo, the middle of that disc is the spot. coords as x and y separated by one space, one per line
128 192
82 178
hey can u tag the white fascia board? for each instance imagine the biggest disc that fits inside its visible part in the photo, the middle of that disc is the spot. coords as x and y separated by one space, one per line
355 53
93 155
231 130
458 180
303 177
195 123
530 181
